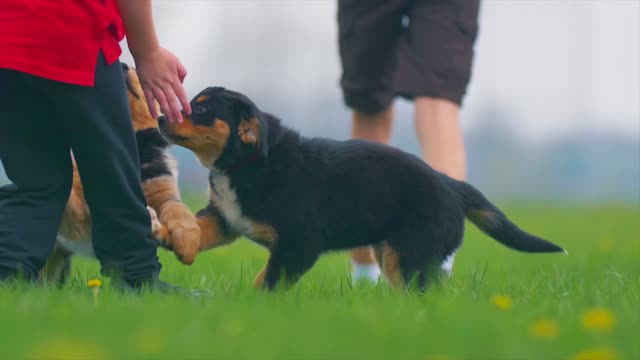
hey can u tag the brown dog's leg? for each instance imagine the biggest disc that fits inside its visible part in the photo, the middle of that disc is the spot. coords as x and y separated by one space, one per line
158 230
58 266
184 232
183 236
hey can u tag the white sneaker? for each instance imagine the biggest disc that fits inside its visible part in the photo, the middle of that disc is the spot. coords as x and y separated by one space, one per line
366 272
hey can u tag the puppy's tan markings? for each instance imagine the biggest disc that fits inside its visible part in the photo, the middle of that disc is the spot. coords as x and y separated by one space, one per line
75 226
209 146
484 217
206 142
257 283
211 235
248 131
202 98
264 234
391 266
140 114
159 191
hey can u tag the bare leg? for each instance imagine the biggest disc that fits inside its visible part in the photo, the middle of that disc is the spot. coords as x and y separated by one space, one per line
373 127
440 136
376 128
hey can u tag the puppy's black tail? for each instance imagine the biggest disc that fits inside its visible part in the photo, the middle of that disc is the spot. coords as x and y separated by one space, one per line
495 223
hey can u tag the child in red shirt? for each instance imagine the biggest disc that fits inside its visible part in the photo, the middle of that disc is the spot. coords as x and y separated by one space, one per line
62 89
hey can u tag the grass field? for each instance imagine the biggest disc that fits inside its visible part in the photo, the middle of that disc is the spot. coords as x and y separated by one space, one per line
498 305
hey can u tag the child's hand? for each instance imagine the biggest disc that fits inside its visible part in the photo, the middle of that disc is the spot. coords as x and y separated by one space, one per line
161 75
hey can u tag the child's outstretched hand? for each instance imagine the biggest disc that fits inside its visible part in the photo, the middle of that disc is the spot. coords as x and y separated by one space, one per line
161 75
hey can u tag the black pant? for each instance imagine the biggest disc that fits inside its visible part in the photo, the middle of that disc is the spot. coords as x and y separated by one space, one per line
40 122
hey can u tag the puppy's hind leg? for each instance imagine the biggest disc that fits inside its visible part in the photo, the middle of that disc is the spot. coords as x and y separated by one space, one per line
421 249
286 268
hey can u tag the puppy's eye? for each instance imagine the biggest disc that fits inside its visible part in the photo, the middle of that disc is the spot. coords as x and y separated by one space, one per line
198 109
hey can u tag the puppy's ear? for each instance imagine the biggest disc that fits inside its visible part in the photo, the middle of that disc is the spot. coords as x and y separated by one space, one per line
248 131
252 128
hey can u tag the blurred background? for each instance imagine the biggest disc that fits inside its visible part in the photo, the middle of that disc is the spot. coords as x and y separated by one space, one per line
552 112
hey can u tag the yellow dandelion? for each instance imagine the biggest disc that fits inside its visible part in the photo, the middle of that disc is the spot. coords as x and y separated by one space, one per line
598 319
596 354
502 302
545 328
95 283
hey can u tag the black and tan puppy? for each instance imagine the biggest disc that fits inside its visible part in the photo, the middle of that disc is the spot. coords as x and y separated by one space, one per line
159 182
301 197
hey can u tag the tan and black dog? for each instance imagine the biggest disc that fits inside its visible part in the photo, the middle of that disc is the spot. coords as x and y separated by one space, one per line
301 197
159 182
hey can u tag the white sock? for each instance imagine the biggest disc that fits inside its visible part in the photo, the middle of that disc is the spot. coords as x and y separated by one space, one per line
447 264
369 272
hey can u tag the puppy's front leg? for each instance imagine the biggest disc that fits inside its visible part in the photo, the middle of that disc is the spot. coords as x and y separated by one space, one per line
212 232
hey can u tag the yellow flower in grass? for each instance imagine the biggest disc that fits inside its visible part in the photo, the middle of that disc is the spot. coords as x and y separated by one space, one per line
502 302
95 283
545 329
598 319
596 354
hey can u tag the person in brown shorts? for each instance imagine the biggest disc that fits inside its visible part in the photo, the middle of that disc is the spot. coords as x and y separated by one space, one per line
421 50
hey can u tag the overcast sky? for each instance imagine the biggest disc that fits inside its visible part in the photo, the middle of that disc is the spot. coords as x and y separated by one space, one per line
559 66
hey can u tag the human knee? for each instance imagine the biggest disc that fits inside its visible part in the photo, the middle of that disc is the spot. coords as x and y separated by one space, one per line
368 102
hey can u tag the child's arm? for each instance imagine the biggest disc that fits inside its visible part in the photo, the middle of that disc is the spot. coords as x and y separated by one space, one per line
161 73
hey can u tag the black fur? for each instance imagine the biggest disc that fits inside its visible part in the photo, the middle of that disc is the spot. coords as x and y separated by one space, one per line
151 149
322 195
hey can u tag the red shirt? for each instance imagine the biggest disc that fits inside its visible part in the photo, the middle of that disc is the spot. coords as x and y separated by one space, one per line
59 39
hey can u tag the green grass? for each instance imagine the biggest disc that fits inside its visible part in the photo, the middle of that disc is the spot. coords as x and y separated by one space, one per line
324 316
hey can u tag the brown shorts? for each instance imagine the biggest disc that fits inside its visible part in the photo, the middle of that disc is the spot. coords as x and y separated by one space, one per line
405 48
